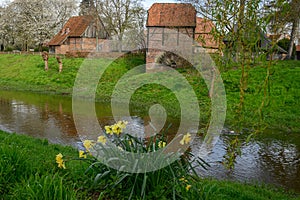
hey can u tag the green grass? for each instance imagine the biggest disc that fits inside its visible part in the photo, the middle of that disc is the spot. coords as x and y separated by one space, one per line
282 105
28 171
26 72
281 110
226 190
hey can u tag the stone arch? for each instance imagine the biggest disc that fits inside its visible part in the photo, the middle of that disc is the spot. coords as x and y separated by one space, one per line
171 59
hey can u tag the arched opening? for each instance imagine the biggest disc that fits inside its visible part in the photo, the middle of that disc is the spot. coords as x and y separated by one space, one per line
173 60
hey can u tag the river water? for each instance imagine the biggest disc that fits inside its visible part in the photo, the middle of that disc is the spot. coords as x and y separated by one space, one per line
273 158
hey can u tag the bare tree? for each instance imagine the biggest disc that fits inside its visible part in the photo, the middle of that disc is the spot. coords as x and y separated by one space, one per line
135 37
223 13
87 7
2 32
120 16
284 17
295 19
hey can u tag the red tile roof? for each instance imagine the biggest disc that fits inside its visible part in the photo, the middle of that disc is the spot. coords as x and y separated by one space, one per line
171 15
204 25
298 48
203 33
75 27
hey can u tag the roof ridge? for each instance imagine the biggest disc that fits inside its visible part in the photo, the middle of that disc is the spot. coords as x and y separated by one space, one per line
174 15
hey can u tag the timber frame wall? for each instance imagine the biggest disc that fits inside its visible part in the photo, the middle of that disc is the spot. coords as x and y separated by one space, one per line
169 37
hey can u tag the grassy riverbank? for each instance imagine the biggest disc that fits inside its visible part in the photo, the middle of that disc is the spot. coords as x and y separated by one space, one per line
28 171
280 111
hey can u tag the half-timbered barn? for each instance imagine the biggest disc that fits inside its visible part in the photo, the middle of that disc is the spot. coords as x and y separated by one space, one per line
168 25
80 34
165 24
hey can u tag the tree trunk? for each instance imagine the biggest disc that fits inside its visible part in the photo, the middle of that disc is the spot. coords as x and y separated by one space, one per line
120 46
46 65
45 56
293 34
60 65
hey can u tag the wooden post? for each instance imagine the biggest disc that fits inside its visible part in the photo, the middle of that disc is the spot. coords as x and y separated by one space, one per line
58 58
45 56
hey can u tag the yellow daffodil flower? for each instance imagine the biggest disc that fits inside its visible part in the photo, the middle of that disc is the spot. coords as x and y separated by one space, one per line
62 165
161 144
120 148
102 139
183 179
188 187
60 161
88 144
116 129
108 130
82 154
122 124
59 156
186 139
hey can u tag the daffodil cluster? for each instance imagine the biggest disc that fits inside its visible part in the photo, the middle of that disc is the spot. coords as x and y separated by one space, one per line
116 128
161 144
125 142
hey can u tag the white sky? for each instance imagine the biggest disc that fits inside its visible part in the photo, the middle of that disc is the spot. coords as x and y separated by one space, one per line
146 3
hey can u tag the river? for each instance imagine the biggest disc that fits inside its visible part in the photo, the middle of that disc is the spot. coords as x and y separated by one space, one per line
272 158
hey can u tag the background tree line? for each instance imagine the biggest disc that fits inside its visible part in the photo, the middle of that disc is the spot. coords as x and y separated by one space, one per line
30 23
27 24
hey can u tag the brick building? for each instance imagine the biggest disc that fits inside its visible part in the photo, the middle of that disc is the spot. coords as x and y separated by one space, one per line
80 34
168 22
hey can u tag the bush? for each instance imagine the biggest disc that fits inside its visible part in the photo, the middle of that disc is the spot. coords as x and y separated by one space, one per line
8 49
37 49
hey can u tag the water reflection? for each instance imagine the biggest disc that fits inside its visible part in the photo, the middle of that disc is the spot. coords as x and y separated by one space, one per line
266 160
40 120
283 160
273 159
